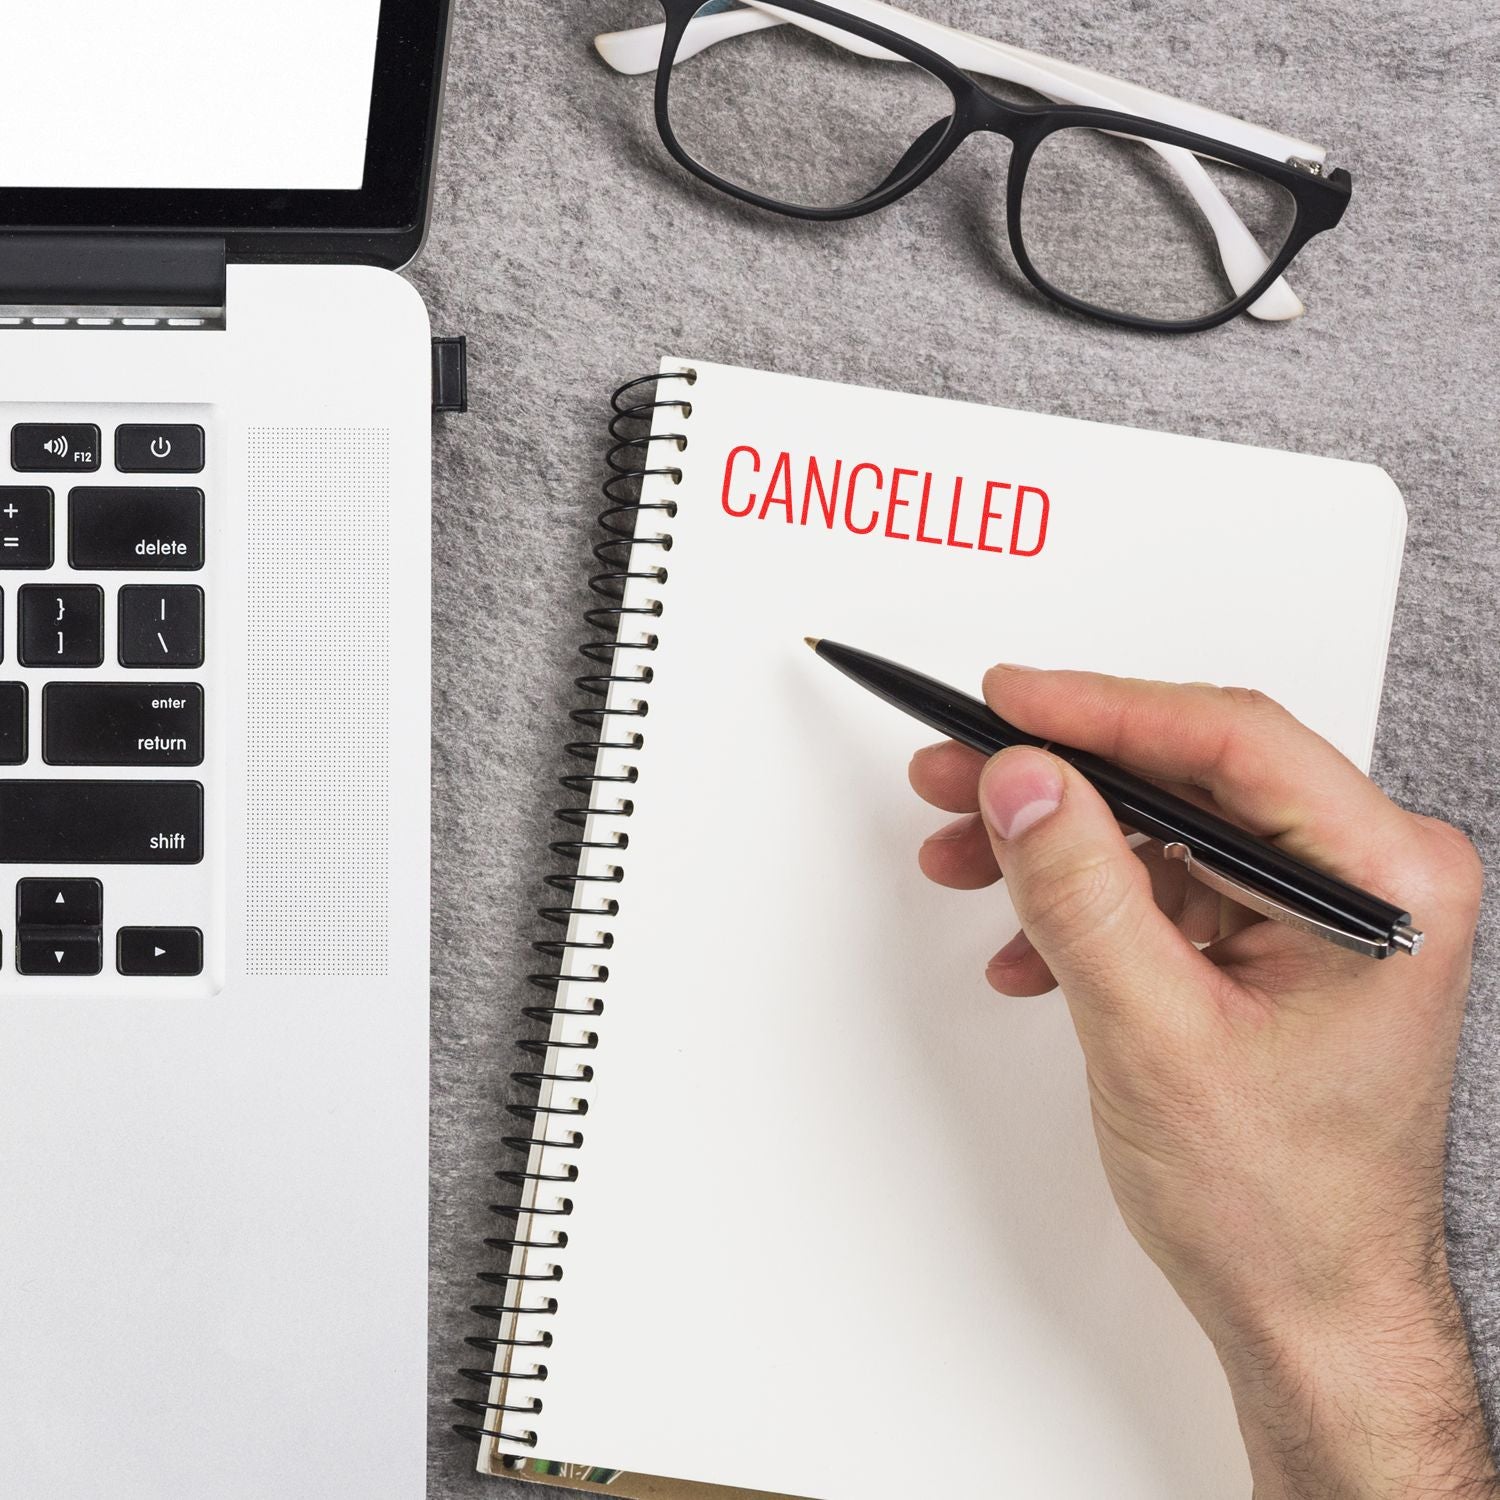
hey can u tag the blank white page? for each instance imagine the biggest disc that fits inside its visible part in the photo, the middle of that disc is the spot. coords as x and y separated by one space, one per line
839 1219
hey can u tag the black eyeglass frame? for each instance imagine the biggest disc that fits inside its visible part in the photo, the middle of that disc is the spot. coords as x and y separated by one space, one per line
1319 200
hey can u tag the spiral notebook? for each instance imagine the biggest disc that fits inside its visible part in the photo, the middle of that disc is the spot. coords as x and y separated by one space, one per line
805 1209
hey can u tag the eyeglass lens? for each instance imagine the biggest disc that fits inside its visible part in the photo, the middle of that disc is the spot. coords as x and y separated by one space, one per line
787 115
1130 225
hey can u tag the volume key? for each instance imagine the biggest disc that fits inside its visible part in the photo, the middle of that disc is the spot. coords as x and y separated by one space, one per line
54 447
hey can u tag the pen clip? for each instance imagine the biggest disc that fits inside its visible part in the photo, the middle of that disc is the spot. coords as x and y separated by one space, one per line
1268 906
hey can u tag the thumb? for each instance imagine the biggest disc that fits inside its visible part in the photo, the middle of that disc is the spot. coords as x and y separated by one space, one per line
1083 897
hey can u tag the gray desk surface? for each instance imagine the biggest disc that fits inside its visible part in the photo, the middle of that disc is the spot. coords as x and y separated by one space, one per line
573 254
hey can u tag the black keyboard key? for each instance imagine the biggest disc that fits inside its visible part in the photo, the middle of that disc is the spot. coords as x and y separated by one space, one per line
101 822
122 724
135 529
161 626
25 526
62 950
14 745
159 950
52 447
158 449
61 625
13 725
59 903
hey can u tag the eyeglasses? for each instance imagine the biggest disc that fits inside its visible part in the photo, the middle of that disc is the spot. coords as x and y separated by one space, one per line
1121 203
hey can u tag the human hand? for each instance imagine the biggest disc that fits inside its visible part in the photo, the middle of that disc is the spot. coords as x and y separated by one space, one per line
1270 1110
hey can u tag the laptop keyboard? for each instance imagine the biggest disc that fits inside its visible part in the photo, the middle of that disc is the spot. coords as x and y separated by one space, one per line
108 760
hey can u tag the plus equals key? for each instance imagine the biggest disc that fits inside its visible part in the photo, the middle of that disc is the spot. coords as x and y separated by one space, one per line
25 526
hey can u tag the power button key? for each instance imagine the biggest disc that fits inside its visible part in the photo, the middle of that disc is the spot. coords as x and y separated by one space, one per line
154 448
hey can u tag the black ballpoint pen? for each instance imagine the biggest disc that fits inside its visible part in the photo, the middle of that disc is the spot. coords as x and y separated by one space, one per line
1239 865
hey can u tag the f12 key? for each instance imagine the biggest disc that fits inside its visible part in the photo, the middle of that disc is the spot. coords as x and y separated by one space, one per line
52 447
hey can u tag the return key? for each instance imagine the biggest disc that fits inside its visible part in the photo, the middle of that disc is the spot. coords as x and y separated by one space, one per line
122 724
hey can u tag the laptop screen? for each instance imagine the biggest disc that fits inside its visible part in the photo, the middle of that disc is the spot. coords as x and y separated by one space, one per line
186 93
294 129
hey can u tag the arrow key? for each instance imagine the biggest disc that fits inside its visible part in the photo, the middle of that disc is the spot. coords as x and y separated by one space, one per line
59 903
58 950
159 951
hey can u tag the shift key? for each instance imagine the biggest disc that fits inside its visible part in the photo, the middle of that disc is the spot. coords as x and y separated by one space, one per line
137 528
101 822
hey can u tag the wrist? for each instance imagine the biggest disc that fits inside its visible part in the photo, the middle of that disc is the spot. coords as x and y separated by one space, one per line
1374 1399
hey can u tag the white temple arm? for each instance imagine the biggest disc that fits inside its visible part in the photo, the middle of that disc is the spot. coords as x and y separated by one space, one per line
638 50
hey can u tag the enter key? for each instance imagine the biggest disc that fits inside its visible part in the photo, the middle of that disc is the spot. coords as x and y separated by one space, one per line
122 724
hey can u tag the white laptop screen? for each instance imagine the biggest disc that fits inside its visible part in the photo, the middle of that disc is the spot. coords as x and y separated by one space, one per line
186 94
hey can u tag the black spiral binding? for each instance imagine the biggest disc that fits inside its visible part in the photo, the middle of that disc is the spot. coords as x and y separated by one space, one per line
631 462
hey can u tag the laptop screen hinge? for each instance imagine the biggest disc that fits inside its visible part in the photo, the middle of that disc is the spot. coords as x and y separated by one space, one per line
111 280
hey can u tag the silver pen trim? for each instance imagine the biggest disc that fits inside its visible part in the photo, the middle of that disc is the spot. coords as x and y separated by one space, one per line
1405 937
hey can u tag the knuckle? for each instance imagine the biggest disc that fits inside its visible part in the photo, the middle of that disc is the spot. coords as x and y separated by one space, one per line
1433 866
1242 760
1253 700
1255 718
1462 868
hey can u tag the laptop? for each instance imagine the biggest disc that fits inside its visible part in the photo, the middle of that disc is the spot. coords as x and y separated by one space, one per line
215 440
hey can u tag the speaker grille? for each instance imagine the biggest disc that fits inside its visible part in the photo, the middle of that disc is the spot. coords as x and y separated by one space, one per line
318 771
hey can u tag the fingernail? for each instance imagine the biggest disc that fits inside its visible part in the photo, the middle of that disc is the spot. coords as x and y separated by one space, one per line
1013 952
1011 666
954 830
1018 789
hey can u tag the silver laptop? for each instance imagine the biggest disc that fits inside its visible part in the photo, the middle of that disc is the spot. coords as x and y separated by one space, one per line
215 408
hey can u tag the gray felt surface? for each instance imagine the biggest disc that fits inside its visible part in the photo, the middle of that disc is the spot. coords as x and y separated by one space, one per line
573 254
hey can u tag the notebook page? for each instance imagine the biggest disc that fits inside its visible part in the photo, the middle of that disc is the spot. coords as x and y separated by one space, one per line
839 1220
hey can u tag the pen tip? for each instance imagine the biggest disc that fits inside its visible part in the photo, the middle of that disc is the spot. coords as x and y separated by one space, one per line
812 641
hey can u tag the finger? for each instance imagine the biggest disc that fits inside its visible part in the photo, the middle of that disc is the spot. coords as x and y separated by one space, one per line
947 776
1201 915
1266 960
1264 770
1086 902
1018 969
1234 918
959 856
1169 882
